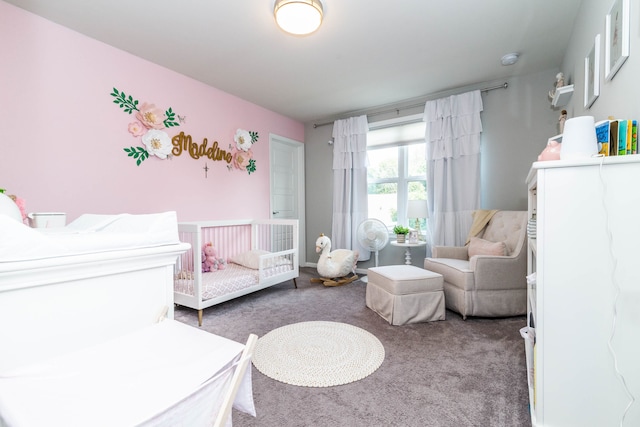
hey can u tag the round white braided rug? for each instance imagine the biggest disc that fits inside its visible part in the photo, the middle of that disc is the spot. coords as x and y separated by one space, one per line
318 354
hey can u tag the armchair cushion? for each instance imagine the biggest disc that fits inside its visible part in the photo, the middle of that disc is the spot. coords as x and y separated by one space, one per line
478 246
456 270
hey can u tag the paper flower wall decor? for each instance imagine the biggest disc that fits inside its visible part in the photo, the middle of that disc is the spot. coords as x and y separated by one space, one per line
150 120
242 156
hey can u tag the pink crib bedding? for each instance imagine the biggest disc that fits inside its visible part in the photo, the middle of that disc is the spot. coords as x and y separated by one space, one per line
233 278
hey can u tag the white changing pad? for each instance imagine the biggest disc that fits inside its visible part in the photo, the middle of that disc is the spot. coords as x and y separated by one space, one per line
89 233
127 381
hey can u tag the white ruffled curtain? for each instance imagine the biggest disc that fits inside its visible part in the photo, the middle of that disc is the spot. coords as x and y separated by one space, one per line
453 166
350 203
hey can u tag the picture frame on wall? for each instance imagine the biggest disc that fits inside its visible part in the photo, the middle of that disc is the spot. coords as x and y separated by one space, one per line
592 74
616 38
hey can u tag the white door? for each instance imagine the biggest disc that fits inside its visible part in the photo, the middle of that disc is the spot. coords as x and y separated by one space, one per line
286 158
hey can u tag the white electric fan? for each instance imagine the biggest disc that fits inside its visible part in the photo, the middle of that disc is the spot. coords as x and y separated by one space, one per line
373 235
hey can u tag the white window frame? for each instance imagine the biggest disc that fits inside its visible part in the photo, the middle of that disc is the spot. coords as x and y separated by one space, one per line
403 179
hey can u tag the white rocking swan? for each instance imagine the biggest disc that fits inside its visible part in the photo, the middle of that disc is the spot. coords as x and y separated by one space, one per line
335 264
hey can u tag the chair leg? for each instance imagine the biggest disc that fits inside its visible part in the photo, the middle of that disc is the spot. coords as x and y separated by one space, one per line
230 394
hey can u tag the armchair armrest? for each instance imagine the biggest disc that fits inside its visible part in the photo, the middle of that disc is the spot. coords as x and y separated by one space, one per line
455 252
499 272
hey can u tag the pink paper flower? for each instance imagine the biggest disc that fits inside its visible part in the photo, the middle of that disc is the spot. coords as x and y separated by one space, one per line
241 158
150 116
136 129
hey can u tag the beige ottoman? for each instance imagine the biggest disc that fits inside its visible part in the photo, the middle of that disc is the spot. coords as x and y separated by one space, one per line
405 294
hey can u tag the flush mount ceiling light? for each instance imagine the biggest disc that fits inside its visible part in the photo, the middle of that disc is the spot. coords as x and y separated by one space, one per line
299 17
510 58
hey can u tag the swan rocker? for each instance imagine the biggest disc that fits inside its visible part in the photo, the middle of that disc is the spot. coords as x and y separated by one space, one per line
335 266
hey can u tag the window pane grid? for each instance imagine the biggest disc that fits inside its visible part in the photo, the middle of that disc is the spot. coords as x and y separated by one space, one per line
396 174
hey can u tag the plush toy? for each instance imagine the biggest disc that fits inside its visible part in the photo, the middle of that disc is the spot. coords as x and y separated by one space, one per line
335 265
210 259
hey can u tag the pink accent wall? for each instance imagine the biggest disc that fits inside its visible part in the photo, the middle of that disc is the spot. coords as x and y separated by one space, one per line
63 137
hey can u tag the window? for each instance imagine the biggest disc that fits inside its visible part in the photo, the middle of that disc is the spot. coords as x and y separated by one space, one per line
397 170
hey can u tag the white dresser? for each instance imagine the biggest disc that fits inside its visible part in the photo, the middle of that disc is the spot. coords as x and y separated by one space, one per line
585 304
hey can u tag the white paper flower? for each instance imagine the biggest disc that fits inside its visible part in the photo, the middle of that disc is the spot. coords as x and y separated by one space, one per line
158 143
243 140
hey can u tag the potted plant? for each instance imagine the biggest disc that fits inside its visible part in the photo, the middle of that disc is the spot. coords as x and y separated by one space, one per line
401 233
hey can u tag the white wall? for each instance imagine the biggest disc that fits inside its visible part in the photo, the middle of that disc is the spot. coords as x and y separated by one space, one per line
618 97
517 123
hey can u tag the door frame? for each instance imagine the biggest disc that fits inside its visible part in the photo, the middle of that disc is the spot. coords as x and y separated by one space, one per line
299 147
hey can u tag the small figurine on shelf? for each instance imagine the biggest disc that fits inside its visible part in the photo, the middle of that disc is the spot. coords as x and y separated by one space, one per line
559 84
561 120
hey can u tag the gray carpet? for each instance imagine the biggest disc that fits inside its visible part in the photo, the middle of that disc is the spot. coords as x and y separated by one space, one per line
446 373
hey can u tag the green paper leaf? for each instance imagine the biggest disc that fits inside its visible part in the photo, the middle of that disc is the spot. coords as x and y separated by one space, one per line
170 121
251 167
138 153
128 104
254 137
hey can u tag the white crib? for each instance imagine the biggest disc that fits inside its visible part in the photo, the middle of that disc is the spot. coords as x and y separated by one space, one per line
259 254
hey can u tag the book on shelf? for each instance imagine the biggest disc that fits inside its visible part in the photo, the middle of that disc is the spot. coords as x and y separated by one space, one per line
622 137
629 128
602 135
634 137
613 137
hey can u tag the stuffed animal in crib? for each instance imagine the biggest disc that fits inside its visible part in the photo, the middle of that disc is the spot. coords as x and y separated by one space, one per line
210 259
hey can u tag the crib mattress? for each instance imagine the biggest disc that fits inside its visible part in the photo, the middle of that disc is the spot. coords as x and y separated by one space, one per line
127 381
233 278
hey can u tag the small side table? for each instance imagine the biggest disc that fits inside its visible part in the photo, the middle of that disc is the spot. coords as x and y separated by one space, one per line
407 252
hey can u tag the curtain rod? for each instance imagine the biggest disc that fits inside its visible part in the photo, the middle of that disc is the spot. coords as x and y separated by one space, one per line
407 107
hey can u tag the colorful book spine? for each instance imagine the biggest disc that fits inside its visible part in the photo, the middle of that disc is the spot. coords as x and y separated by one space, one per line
622 137
613 138
602 134
629 134
634 137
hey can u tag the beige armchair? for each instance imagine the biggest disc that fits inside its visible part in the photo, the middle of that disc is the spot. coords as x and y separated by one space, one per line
487 277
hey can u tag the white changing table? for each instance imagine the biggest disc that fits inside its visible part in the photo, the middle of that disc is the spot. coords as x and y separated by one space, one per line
81 345
99 277
167 374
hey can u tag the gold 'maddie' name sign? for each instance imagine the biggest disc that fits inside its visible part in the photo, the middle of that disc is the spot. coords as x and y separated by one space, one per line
184 143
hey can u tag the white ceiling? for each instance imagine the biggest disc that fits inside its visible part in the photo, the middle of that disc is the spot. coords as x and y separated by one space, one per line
367 53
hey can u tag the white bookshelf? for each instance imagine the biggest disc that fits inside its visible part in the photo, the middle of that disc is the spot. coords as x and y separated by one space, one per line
586 257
